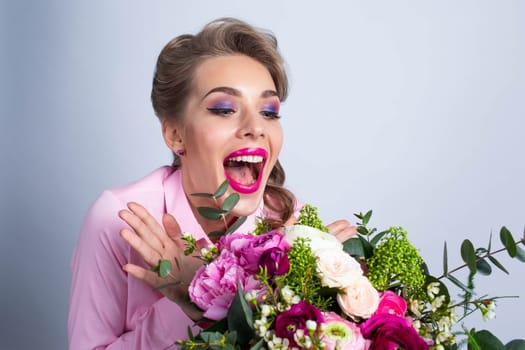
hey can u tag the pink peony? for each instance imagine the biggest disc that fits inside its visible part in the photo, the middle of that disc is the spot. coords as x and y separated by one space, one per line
389 332
391 303
341 334
261 243
214 285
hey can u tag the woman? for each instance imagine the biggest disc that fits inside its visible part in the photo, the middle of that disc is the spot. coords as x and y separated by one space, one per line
217 95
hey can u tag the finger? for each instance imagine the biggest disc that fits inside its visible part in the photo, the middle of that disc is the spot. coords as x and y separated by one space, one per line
342 230
171 227
143 224
150 255
141 273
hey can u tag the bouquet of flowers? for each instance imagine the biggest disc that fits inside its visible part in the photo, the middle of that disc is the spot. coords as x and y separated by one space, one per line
300 288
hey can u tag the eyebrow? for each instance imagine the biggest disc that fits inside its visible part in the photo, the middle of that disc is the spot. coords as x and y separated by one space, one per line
237 93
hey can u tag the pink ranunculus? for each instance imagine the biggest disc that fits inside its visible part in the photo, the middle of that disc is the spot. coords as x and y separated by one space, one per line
214 285
391 303
389 332
294 319
341 334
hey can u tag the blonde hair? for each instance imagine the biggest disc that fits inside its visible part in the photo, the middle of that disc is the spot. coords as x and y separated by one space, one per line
174 76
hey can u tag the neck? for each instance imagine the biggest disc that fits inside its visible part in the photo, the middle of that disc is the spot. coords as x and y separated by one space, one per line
208 225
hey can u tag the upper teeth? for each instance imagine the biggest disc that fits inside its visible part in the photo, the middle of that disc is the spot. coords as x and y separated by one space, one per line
249 159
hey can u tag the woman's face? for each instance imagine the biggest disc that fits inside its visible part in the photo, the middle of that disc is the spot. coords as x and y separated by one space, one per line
230 130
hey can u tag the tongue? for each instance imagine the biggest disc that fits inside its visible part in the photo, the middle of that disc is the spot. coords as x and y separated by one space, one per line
242 173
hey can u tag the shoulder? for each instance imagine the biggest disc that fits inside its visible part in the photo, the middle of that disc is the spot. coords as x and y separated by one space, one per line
102 225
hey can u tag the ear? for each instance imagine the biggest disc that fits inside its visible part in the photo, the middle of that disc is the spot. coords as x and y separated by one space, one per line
172 135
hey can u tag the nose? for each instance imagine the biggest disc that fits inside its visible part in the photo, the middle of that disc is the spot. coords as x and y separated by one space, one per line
252 126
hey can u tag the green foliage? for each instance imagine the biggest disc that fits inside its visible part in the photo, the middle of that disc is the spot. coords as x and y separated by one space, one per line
396 261
261 226
302 277
163 268
308 216
240 317
215 213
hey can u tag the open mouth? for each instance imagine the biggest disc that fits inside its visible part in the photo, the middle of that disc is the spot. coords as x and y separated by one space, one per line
244 169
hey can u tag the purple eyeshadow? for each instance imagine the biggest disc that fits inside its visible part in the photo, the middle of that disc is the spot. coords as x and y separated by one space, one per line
222 105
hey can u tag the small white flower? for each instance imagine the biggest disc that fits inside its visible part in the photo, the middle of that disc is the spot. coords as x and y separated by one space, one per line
250 296
437 302
311 325
287 294
432 289
266 310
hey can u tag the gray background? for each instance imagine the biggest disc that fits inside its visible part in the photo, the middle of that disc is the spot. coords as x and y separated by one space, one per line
412 108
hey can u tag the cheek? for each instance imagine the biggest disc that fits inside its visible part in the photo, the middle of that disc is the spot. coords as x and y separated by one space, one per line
277 139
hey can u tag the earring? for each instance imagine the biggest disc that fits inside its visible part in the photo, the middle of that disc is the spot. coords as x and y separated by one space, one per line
180 152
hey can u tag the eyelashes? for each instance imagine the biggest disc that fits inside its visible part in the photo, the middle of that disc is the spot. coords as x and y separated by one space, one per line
227 109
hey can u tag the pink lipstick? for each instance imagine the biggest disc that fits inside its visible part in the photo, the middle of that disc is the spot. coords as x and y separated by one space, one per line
244 169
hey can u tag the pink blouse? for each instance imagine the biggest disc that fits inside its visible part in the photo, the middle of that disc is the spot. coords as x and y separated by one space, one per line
108 308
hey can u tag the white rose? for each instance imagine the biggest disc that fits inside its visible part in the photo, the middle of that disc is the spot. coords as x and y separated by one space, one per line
318 239
359 300
337 268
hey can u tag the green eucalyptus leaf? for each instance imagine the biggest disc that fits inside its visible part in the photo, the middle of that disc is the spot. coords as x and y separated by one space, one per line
520 254
377 238
354 247
363 230
163 268
230 201
468 255
236 224
259 345
240 317
460 284
483 267
498 264
445 259
231 338
205 195
211 337
211 213
221 190
367 216
508 241
487 340
516 344
369 250
216 233
472 343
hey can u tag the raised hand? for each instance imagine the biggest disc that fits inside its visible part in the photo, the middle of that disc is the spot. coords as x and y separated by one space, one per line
342 230
156 242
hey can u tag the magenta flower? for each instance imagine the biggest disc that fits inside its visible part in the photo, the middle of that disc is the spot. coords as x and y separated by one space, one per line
391 303
275 261
214 285
289 322
389 332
